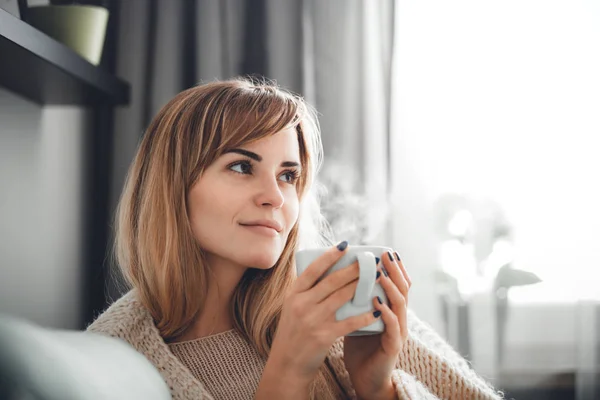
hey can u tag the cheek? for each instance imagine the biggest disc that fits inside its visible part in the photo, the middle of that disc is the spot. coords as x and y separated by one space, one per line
203 209
291 212
195 208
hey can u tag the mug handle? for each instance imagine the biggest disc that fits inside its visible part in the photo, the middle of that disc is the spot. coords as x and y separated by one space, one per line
366 279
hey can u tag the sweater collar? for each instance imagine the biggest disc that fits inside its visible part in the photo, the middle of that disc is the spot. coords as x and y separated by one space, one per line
130 320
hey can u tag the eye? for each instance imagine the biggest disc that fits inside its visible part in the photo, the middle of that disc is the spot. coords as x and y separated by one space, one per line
292 176
241 167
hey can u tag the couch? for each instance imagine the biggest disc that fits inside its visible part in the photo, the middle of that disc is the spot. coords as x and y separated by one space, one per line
48 364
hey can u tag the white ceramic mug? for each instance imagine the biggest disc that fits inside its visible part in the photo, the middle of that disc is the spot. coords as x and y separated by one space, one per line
367 288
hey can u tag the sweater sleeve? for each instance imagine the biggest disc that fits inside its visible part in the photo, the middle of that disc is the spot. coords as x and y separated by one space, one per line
407 387
428 368
434 363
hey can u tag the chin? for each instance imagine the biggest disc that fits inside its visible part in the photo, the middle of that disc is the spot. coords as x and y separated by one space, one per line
262 260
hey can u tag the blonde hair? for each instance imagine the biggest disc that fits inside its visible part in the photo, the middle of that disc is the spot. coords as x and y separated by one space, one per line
154 246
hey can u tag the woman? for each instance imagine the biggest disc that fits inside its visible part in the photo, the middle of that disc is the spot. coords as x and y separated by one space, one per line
216 203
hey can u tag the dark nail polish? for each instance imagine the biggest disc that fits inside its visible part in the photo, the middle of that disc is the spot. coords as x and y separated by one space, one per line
377 260
342 245
397 256
377 313
379 300
378 275
390 256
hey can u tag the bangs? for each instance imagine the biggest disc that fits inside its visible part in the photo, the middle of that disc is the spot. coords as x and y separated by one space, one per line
257 113
236 113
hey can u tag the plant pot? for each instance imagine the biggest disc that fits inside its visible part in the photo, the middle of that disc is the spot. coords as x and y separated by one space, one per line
82 28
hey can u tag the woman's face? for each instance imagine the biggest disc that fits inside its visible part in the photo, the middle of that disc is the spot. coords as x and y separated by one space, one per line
244 205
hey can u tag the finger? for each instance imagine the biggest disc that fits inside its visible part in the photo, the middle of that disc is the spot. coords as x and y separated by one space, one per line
351 324
397 301
403 269
394 272
333 283
392 336
318 267
337 299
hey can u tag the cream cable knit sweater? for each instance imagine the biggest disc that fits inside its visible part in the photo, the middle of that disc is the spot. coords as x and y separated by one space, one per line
428 368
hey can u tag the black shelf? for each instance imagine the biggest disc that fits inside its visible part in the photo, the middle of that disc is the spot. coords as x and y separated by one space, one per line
39 68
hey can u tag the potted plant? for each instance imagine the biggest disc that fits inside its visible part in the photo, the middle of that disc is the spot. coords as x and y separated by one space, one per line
80 25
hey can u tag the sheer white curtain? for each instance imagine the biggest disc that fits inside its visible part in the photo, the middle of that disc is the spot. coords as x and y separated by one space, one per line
347 72
499 101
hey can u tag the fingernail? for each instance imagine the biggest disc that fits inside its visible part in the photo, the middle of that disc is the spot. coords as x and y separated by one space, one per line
342 245
377 313
377 260
397 256
379 300
378 275
390 256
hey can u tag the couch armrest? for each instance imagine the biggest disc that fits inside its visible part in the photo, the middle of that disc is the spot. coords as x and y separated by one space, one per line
59 364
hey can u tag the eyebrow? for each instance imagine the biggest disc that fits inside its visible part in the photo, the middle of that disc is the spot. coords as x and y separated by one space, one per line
258 158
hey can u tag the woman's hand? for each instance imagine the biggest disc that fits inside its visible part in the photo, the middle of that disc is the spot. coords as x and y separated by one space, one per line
371 359
308 327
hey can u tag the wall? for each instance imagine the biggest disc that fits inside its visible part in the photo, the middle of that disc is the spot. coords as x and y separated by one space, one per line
41 219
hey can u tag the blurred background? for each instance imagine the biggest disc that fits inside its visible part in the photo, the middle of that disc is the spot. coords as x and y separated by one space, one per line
464 134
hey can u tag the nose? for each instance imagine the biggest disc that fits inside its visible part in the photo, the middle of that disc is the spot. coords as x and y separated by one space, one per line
269 194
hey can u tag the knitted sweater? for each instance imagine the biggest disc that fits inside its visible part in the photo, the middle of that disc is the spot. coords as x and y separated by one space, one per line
224 366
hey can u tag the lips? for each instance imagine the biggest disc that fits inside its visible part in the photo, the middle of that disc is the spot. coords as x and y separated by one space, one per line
264 222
